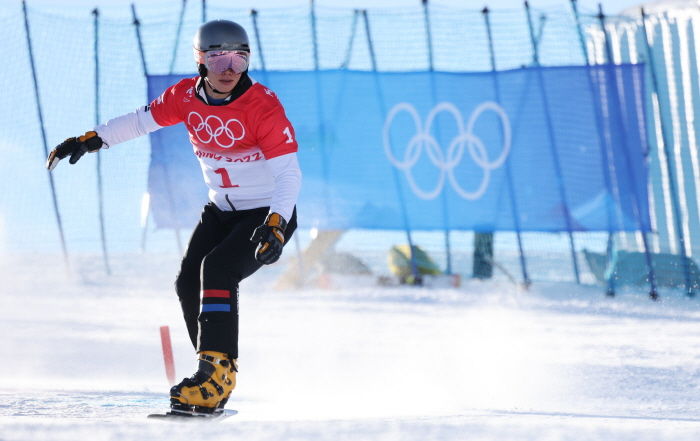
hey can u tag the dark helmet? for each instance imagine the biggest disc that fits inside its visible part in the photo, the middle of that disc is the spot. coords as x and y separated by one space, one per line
221 35
218 35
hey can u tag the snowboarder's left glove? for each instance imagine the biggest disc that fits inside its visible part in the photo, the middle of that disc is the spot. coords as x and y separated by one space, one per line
270 239
75 148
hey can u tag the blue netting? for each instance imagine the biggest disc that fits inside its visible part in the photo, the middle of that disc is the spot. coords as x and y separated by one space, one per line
63 43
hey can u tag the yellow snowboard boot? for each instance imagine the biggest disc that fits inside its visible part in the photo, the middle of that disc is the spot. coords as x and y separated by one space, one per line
209 388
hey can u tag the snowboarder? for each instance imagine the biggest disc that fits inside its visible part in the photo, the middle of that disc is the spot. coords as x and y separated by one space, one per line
246 148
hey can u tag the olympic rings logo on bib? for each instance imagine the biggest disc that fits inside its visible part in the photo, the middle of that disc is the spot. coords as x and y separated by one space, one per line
465 138
213 128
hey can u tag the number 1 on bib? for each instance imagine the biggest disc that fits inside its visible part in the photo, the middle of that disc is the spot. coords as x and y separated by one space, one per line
225 179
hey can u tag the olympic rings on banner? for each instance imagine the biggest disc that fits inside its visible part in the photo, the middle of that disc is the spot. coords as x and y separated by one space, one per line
465 138
216 131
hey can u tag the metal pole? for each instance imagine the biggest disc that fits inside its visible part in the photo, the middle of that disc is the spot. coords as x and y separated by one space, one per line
579 29
177 36
431 67
428 34
137 26
597 105
100 192
145 210
204 11
300 259
254 17
540 29
171 203
321 111
397 181
653 293
552 144
338 108
353 31
40 114
509 173
610 251
297 243
314 34
136 23
690 290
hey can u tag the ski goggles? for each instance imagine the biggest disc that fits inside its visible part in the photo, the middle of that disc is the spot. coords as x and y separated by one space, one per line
221 61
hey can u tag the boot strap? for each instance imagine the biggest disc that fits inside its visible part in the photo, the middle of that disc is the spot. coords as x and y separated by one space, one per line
214 360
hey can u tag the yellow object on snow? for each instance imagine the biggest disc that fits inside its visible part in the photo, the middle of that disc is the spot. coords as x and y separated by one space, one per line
400 262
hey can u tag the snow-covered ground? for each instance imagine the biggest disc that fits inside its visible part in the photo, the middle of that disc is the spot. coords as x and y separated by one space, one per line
81 360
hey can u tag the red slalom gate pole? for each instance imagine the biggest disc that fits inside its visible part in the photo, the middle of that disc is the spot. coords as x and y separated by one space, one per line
167 354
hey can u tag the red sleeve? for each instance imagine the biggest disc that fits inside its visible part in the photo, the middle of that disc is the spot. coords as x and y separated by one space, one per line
166 108
275 133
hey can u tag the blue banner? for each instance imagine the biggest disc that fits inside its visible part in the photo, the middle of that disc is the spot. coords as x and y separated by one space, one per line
534 149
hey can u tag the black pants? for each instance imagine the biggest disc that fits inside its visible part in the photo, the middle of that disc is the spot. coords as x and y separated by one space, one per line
219 255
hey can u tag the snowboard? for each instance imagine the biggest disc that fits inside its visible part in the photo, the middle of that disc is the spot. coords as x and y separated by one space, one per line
193 416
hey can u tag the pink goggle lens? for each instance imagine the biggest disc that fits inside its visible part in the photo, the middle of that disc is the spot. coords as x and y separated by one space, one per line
221 61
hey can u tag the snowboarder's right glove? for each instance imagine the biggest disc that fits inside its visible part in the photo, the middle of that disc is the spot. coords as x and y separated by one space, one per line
270 238
75 148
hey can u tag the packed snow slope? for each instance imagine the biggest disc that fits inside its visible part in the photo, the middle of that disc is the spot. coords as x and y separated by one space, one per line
81 360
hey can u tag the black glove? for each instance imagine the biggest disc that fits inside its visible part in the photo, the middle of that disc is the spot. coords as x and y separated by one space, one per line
270 239
75 148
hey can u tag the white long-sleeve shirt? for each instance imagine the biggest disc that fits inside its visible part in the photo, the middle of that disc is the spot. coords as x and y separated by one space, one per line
246 148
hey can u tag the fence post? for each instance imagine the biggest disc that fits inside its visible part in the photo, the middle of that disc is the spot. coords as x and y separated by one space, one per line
353 31
443 196
610 249
254 17
690 290
653 294
171 202
40 113
322 134
145 211
177 36
314 34
397 182
552 143
263 68
540 30
100 191
509 173
581 38
428 34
